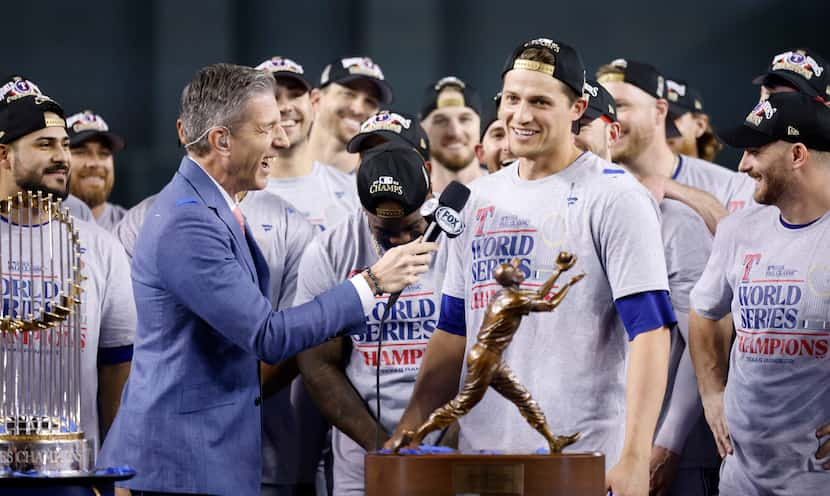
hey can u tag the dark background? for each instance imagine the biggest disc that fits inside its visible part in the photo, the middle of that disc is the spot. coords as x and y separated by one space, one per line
129 60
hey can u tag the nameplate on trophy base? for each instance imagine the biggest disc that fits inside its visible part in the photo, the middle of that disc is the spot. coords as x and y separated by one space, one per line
468 474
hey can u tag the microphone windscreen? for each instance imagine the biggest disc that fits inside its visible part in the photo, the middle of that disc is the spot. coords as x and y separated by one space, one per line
454 196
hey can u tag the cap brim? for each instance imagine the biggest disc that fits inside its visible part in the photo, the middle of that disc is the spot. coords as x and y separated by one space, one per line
797 81
294 76
676 110
116 143
671 128
743 137
384 89
356 143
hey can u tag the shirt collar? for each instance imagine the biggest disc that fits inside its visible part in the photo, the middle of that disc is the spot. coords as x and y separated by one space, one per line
232 203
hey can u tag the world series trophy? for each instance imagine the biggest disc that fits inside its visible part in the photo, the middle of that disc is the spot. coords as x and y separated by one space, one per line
446 472
40 341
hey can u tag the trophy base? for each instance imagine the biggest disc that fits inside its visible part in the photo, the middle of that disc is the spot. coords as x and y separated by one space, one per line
54 455
571 474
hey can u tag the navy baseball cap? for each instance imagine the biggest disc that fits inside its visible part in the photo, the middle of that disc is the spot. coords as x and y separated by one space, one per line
87 125
431 101
801 68
345 70
283 67
643 76
568 67
22 109
392 172
792 117
398 127
600 103
682 98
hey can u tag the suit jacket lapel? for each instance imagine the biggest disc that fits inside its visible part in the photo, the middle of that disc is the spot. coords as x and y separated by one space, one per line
209 193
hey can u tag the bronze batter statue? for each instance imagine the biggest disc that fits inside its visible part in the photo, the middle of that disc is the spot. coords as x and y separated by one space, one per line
484 365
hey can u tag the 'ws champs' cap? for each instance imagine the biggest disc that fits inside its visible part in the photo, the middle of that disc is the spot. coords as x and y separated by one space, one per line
392 172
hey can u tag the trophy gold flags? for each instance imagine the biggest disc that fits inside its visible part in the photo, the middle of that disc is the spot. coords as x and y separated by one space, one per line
40 340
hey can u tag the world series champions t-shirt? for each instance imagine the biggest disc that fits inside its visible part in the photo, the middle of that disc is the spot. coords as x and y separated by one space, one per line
572 360
733 189
775 280
108 316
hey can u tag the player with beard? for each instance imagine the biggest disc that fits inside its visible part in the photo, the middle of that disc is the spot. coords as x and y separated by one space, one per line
558 198
696 136
392 183
800 70
93 146
494 152
351 89
450 114
640 92
684 459
766 399
34 156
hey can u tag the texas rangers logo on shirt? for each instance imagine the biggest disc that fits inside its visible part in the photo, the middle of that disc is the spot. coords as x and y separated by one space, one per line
798 62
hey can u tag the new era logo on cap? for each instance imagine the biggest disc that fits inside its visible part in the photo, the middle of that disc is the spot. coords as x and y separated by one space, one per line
791 131
86 121
281 64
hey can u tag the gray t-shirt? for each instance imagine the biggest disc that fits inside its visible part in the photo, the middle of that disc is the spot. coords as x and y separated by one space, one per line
108 316
130 225
325 197
572 360
775 280
111 217
682 427
733 189
78 208
282 235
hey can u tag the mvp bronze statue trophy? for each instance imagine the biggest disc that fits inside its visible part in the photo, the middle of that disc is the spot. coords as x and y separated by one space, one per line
404 473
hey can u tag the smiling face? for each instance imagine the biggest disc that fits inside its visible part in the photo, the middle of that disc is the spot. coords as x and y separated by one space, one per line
254 141
767 166
495 152
638 116
296 114
342 108
537 111
39 161
392 232
453 131
92 172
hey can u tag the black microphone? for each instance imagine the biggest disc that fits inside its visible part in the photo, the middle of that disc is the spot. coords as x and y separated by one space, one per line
443 216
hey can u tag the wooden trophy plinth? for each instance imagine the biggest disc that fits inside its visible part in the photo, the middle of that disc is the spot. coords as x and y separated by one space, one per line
572 474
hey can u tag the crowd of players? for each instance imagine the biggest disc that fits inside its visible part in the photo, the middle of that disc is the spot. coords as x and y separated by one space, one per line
694 354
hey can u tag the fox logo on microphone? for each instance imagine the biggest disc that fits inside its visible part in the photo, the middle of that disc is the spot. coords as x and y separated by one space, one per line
449 221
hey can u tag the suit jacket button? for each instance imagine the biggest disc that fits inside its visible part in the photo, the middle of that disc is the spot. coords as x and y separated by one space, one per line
257 401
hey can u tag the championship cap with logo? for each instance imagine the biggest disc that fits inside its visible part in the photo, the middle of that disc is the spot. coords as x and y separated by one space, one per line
682 98
491 113
345 70
601 105
802 68
23 107
283 67
567 66
396 173
643 76
436 96
394 127
88 125
792 117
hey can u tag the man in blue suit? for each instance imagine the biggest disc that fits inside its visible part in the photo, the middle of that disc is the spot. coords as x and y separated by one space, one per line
190 414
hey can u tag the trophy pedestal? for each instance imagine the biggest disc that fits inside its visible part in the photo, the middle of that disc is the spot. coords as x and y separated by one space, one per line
571 474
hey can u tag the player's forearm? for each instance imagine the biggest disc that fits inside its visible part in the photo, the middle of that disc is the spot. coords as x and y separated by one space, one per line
706 205
684 408
438 378
645 389
278 376
335 396
111 380
709 343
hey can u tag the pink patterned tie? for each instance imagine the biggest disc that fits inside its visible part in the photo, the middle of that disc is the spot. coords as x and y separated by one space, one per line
237 213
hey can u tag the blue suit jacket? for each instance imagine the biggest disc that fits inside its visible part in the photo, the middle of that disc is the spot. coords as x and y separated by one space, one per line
190 417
